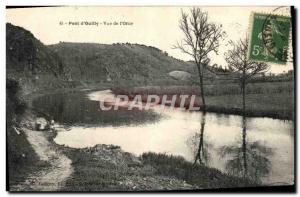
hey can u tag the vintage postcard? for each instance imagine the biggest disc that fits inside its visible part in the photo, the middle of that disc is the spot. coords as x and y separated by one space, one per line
150 99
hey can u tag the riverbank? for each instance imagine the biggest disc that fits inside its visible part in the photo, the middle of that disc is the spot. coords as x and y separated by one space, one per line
101 168
57 167
273 100
108 168
21 157
278 106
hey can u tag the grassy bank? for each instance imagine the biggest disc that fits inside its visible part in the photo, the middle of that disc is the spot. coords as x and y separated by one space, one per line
20 155
108 168
268 99
280 106
21 158
202 176
219 89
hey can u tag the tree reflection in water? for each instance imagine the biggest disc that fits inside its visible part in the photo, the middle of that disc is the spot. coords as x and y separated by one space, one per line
247 159
199 145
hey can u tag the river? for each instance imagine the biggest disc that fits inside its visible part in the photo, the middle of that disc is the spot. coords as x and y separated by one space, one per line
262 148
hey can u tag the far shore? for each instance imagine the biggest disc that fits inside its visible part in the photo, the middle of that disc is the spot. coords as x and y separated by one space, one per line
262 103
271 104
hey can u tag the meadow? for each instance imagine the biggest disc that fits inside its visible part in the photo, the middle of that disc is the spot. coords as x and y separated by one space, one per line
263 99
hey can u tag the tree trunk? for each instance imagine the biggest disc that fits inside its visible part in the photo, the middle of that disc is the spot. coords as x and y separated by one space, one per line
244 89
244 122
202 94
201 87
244 147
244 97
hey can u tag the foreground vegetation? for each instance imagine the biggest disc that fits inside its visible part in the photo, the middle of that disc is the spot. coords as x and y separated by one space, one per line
21 158
108 168
200 175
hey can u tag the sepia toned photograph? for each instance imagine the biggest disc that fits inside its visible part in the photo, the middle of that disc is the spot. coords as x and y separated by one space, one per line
155 99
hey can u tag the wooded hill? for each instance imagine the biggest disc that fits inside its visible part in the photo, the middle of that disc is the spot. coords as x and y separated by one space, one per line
38 66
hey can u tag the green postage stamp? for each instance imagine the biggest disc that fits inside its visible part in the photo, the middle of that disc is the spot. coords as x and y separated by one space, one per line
269 40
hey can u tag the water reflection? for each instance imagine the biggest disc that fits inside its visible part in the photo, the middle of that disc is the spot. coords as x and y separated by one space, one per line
199 144
247 159
202 154
74 108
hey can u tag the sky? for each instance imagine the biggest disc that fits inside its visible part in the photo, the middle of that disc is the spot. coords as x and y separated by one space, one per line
152 26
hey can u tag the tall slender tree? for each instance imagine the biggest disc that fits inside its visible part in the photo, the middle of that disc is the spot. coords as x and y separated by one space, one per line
239 64
201 38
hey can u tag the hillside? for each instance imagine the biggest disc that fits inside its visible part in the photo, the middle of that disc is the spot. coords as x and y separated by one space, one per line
40 67
118 63
30 62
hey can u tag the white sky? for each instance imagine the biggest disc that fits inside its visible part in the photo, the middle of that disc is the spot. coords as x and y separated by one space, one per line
153 26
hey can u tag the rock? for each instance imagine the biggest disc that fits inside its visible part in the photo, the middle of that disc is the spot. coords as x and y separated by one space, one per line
17 130
41 124
180 75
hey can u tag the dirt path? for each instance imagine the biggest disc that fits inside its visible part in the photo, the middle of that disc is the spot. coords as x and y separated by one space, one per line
54 177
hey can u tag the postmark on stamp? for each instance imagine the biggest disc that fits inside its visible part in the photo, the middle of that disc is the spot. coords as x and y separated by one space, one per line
269 40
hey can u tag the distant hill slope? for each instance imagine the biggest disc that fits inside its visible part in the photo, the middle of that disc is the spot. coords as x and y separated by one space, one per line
37 66
117 63
30 62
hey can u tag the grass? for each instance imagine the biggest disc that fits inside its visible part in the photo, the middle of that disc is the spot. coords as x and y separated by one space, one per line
21 158
279 106
107 168
211 90
201 176
92 173
268 99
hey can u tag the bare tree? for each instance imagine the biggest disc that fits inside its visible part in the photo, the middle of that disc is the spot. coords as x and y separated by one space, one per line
201 38
238 63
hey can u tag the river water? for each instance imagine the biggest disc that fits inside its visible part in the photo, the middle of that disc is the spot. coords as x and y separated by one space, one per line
261 148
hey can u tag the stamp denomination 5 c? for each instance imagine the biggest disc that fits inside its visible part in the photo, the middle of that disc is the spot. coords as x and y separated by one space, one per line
269 38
